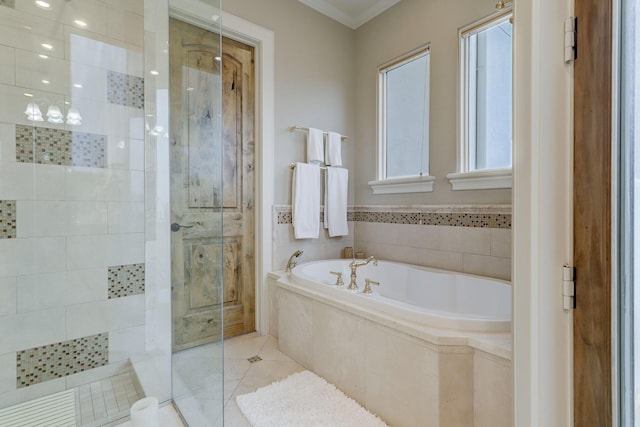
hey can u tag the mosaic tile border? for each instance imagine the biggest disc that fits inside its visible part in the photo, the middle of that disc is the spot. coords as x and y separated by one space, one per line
126 280
124 89
475 217
60 147
8 219
48 362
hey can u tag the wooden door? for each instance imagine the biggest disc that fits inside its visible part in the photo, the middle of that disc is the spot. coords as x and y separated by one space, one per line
212 185
592 215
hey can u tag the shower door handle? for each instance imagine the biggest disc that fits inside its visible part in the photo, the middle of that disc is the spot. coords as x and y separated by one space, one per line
176 227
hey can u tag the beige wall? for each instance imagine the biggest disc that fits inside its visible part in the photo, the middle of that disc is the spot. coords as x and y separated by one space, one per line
314 80
405 26
326 78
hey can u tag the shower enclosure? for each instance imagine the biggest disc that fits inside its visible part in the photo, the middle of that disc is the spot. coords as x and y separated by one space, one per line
99 149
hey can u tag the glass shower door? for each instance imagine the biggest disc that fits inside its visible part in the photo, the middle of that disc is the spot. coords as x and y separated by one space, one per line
197 245
80 297
85 211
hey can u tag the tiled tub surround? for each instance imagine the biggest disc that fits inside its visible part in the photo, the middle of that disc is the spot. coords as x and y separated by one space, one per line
408 374
78 190
469 239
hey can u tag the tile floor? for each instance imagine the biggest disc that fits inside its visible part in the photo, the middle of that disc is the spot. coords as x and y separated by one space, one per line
199 375
198 380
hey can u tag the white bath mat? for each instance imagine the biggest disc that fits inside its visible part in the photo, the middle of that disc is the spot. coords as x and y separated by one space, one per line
304 399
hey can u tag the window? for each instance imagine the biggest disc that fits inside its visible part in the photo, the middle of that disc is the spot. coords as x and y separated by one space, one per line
403 125
485 113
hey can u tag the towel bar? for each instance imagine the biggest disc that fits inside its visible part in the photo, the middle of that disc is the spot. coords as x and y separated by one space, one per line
293 128
292 166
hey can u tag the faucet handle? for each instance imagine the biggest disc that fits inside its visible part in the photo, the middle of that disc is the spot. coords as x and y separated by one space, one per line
367 286
339 281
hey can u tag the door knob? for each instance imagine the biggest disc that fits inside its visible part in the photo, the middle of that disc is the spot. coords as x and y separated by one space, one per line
176 227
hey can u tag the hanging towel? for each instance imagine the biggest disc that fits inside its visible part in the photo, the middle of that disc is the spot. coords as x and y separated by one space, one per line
335 201
333 154
315 146
305 209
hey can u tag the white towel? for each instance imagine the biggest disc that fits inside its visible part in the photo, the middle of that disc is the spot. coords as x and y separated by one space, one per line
305 210
315 146
335 201
333 153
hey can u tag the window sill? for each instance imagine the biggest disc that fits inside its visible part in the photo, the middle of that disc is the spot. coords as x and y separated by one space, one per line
481 180
414 184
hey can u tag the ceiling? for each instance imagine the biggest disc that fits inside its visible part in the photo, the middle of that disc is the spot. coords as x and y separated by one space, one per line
352 13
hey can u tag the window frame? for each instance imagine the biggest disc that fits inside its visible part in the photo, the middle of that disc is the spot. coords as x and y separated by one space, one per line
409 183
464 178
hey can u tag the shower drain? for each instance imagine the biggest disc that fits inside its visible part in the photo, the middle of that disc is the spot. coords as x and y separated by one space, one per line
254 359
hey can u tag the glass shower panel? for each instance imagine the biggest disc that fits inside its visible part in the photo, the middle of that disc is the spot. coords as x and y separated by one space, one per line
86 208
196 205
77 293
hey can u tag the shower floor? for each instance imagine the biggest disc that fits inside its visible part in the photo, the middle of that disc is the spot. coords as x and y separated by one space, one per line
105 401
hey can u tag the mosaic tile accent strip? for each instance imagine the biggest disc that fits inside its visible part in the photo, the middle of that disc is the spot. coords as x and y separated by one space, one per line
285 217
484 218
60 147
8 3
39 364
8 219
126 280
123 89
451 219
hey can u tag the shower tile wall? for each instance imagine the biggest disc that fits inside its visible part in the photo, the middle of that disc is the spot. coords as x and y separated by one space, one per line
469 239
72 247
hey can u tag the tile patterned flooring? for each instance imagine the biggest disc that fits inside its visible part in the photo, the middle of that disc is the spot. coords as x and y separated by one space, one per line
199 372
202 406
101 402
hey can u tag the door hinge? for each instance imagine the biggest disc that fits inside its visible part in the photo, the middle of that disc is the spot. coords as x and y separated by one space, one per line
568 287
570 40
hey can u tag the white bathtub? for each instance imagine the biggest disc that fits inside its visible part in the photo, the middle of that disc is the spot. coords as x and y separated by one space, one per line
424 296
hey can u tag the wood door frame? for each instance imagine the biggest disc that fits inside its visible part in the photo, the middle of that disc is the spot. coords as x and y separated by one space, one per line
593 358
263 41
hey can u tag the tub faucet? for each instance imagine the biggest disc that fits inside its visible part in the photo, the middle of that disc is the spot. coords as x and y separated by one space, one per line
354 265
292 260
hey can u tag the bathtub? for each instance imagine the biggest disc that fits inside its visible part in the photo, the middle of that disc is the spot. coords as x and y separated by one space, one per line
418 295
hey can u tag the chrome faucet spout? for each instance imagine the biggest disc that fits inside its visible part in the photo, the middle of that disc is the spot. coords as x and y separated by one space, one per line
354 265
292 260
